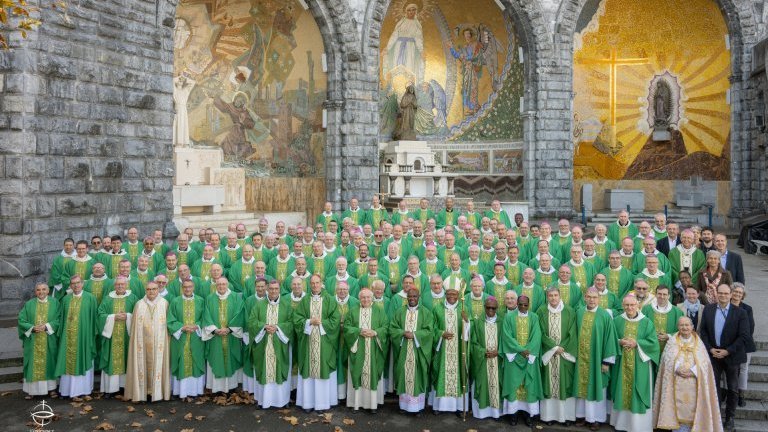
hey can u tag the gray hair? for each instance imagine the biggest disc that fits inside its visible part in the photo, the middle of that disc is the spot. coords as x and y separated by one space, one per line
714 253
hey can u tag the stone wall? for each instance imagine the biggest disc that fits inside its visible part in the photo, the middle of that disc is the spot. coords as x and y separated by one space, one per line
85 134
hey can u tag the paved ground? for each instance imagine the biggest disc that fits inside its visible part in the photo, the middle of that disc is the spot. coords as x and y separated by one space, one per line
170 416
756 274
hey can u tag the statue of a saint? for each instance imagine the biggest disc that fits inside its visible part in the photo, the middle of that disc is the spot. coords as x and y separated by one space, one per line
182 87
408 107
662 105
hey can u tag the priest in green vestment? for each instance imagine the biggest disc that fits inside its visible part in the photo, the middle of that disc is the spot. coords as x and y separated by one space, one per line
376 214
58 275
649 249
498 285
653 275
596 352
302 272
423 213
281 266
155 259
474 300
434 297
498 214
142 272
81 264
223 324
366 336
521 349
570 292
485 363
114 324
184 253
582 272
344 303
559 343
185 324
316 321
447 216
114 257
293 299
242 270
686 256
98 284
341 275
394 266
473 217
590 256
632 376
373 274
664 315
455 276
327 216
400 214
450 359
38 326
270 327
529 289
77 341
622 228
607 300
411 331
546 273
619 278
354 213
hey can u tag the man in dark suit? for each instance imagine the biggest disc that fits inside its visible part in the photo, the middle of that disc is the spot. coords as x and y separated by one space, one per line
724 330
666 244
730 260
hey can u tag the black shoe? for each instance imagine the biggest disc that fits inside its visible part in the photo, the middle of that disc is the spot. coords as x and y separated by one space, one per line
528 421
513 420
728 425
568 423
373 412
742 402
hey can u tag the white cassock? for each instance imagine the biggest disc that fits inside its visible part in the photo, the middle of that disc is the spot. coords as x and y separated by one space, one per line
113 383
149 352
365 397
316 393
449 403
554 409
492 366
225 384
76 385
626 420
189 386
272 394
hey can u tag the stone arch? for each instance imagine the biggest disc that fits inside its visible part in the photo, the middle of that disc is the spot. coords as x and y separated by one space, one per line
742 29
537 50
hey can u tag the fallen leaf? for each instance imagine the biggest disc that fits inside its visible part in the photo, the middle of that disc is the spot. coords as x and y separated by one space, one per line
327 417
163 420
338 429
188 430
119 397
158 430
87 408
136 425
284 411
105 426
76 404
199 418
172 410
471 430
131 408
292 420
188 416
88 398
350 422
6 394
149 412
95 418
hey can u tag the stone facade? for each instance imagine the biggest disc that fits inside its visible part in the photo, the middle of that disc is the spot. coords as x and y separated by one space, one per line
86 116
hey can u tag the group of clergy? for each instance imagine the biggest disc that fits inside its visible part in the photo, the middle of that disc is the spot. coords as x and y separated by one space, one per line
458 310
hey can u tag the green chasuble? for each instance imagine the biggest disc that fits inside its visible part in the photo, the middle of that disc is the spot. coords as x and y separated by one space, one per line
620 280
545 278
664 319
270 352
423 215
660 278
77 335
431 301
570 293
498 289
333 280
522 377
610 303
325 219
475 267
286 288
639 263
501 216
239 273
458 280
617 233
534 293
394 269
631 381
564 244
597 263
367 356
693 260
475 306
113 350
224 353
236 253
280 269
514 272
40 348
188 256
473 218
357 216
367 280
398 216
486 335
133 250
558 329
99 287
187 349
375 216
343 349
321 265
597 344
448 364
317 352
420 281
249 307
77 266
604 248
583 273
58 274
397 303
412 357
445 218
112 263
627 260
358 269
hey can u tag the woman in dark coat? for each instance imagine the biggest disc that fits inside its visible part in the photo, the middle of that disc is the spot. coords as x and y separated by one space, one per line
738 295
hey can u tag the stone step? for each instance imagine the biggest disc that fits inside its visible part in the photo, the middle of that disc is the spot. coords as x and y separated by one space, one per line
10 387
756 391
761 345
750 426
758 373
755 410
11 358
11 374
759 358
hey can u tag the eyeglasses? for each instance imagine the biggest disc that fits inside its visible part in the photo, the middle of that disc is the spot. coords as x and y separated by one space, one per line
96 242
491 307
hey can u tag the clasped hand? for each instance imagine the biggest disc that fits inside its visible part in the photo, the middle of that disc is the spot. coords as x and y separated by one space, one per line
223 331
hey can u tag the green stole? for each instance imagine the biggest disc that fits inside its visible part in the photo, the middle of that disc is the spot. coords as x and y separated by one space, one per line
40 356
188 311
119 335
